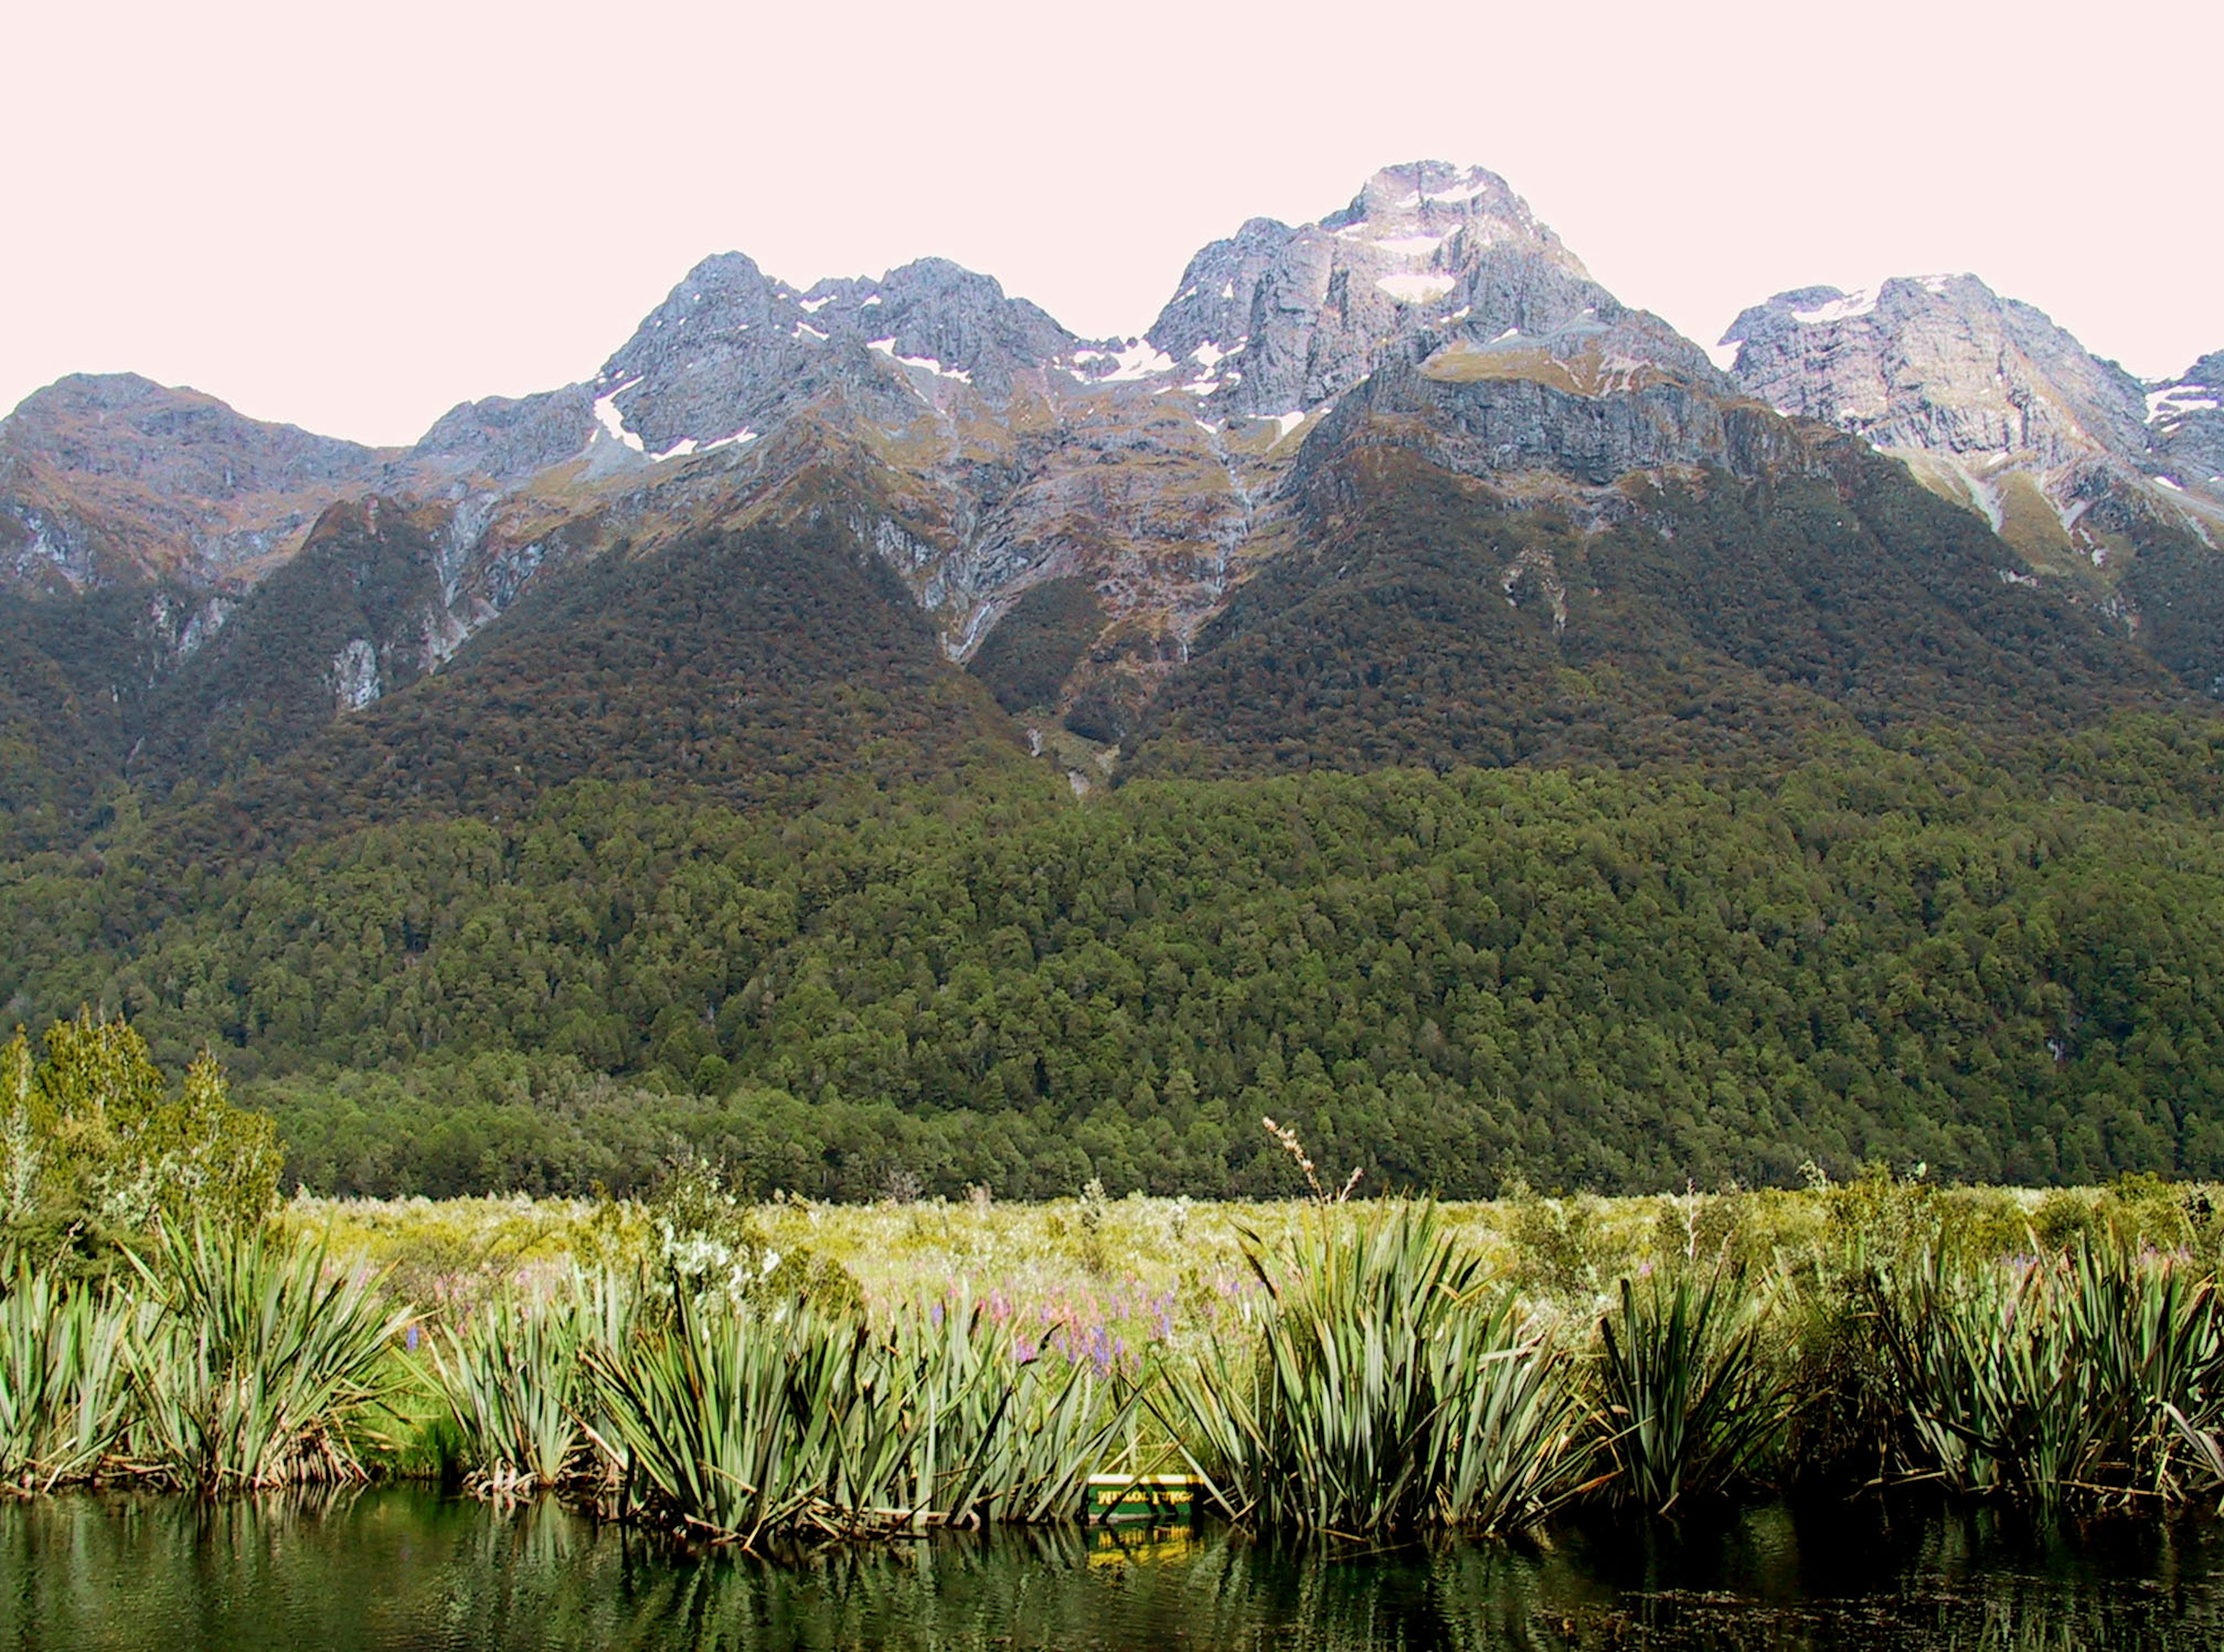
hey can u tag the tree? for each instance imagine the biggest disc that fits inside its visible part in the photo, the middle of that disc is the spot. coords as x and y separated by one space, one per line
93 1144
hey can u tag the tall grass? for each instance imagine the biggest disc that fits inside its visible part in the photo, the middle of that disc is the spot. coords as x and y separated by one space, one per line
2091 1377
514 1380
1377 1372
253 1366
1393 1386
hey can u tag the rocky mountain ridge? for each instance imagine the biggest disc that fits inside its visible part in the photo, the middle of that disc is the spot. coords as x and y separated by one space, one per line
2185 424
2111 486
113 479
1991 404
1093 505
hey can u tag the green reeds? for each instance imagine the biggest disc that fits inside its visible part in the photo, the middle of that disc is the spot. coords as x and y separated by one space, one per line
64 1378
251 1368
1393 1387
511 1377
1689 1400
743 1425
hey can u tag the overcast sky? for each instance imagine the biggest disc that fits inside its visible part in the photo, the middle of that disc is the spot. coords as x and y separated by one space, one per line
352 217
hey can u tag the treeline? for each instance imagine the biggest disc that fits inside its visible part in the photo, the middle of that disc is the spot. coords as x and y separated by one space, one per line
1604 980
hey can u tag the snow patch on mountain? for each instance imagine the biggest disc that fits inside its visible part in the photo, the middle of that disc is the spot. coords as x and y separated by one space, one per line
612 421
1410 246
1843 308
1416 289
1136 359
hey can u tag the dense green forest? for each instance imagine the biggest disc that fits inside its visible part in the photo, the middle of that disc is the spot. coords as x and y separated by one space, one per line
1998 968
755 671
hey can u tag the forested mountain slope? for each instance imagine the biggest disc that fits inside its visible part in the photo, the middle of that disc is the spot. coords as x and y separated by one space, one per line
1427 619
1604 980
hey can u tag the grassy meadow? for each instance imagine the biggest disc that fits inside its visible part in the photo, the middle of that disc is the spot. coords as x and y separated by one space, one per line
1151 1271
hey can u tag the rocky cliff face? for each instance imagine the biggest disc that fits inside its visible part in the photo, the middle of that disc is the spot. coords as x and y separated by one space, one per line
2185 421
111 478
1582 406
1940 364
505 440
2089 476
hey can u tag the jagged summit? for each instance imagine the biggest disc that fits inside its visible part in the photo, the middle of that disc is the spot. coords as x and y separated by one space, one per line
1275 320
731 349
1434 196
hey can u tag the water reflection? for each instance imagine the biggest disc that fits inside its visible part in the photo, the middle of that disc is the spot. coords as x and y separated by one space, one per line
397 1568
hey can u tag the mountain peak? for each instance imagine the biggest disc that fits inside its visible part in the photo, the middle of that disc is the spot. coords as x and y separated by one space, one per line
1427 252
1940 364
731 347
1437 195
111 475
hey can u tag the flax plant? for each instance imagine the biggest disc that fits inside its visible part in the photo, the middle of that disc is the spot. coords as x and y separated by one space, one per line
743 1425
1392 1386
2092 1377
252 1367
1685 1387
514 1379
65 1382
511 1378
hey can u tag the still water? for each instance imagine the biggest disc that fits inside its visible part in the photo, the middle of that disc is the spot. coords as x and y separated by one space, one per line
395 1568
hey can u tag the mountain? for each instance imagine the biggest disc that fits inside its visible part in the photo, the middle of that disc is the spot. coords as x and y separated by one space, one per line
1076 521
715 721
111 479
1941 364
2185 418
2094 480
758 667
1275 321
1080 523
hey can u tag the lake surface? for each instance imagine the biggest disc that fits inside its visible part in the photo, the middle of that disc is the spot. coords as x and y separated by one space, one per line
392 1568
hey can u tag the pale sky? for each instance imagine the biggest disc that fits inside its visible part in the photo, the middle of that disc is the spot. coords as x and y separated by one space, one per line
352 217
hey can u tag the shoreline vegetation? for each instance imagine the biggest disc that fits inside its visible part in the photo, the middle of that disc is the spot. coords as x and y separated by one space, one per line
770 1374
767 1375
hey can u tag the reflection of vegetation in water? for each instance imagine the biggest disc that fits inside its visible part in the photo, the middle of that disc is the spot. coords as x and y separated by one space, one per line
351 1569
